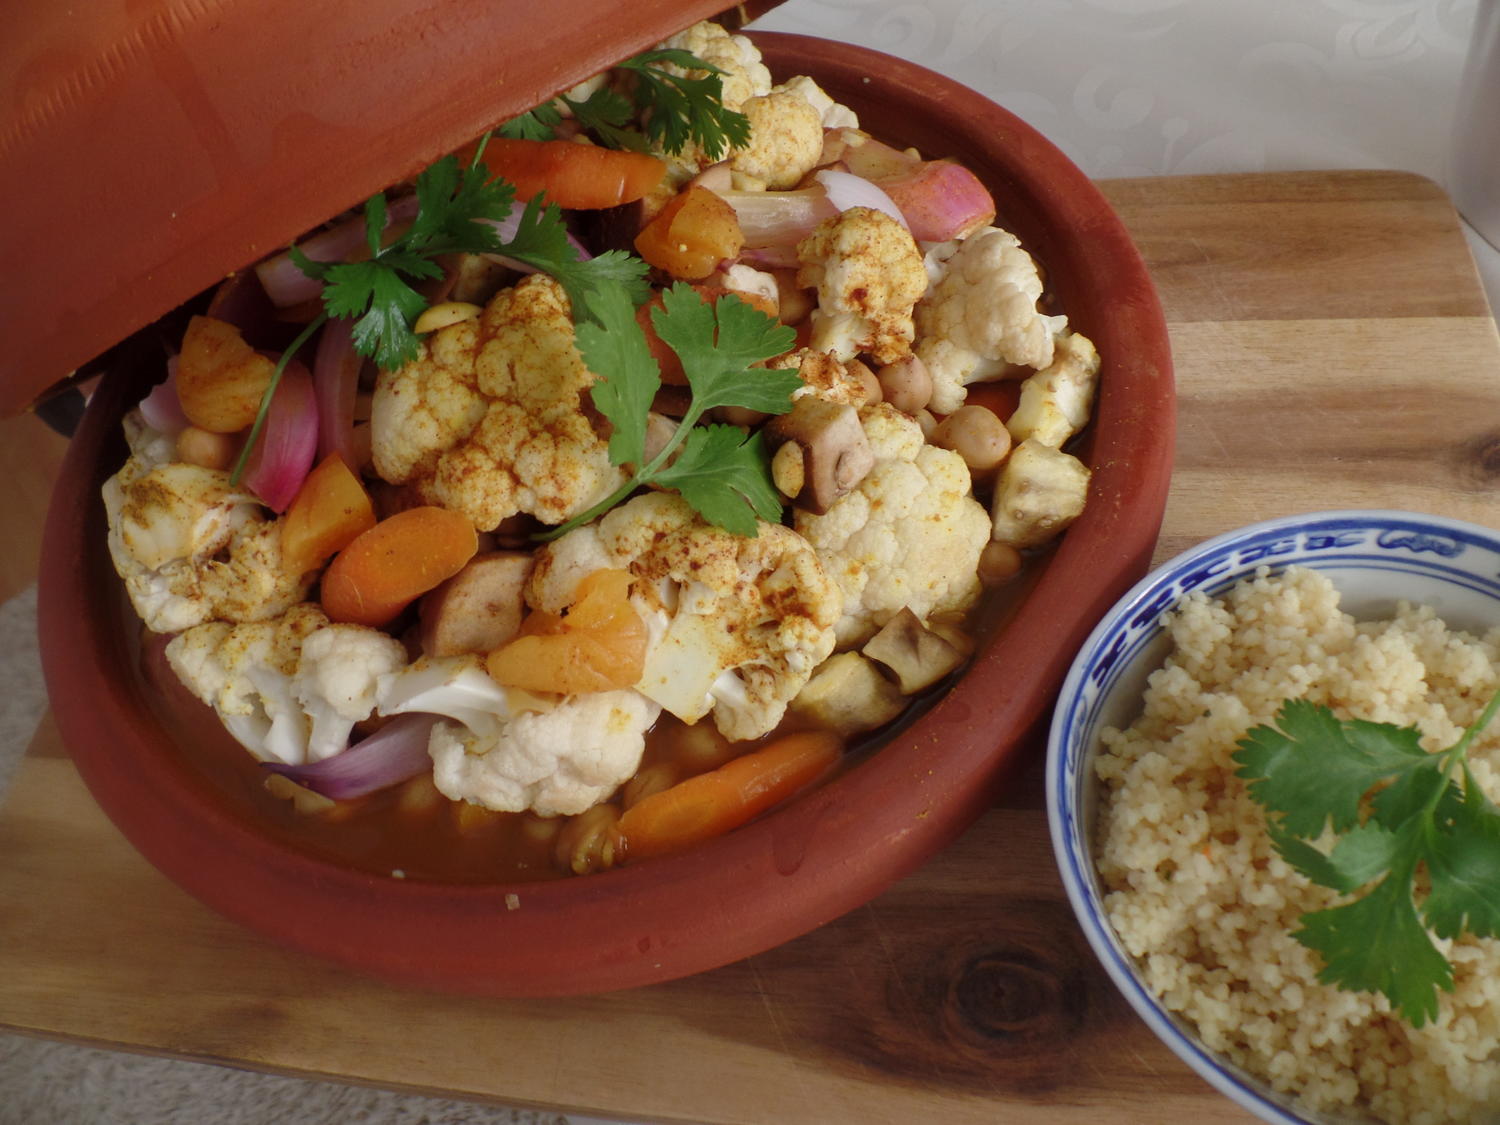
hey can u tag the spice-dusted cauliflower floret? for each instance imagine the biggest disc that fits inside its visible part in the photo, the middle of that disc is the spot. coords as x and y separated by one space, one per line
291 689
909 537
869 274
824 376
736 625
1055 402
490 419
191 548
556 762
980 316
786 140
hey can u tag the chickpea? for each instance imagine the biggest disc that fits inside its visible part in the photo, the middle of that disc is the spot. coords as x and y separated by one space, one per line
998 563
928 422
205 448
976 434
906 384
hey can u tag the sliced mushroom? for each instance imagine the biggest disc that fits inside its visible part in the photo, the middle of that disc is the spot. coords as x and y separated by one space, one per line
479 608
848 694
836 455
915 654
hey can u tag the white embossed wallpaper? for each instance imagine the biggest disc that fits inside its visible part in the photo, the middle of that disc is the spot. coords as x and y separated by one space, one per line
1177 87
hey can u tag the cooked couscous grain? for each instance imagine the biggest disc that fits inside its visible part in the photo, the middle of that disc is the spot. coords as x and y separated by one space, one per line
1198 894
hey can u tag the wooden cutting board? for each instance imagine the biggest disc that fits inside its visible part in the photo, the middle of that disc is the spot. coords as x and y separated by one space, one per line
1333 348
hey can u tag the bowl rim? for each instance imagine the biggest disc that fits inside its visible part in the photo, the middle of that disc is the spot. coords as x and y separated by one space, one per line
1064 776
165 818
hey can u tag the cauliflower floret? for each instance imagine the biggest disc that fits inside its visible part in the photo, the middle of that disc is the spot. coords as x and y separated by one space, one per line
1055 402
869 275
831 114
786 140
736 625
291 689
980 315
908 537
489 419
556 762
743 75
189 547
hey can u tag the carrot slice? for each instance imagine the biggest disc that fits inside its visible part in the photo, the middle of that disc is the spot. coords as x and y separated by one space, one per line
574 176
395 562
330 511
692 235
712 803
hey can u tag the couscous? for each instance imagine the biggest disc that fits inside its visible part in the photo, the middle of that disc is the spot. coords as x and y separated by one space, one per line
1198 894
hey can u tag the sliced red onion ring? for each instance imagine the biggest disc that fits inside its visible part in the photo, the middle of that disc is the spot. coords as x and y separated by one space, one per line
288 443
335 374
162 409
287 285
393 754
846 190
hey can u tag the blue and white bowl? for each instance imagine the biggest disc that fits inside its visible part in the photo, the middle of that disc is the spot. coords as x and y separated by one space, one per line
1374 558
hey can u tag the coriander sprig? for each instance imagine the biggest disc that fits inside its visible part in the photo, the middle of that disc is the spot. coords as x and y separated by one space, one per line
458 212
723 474
673 109
1397 811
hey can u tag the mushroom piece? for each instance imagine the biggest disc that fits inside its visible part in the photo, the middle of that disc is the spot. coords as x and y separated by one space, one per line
849 695
915 654
836 455
479 608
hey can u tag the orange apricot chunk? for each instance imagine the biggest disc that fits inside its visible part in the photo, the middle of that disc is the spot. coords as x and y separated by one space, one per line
692 235
330 511
221 379
598 645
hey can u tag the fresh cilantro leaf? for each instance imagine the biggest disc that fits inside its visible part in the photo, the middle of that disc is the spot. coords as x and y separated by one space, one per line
453 204
608 115
628 376
719 342
680 109
722 474
1378 944
1464 866
541 240
384 329
1315 769
538 124
1361 855
726 477
1396 811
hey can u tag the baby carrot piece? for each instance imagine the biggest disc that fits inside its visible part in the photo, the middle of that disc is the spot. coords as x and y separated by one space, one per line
712 803
395 562
331 509
574 176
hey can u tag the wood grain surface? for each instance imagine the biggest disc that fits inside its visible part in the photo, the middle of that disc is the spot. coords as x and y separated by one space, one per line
1333 348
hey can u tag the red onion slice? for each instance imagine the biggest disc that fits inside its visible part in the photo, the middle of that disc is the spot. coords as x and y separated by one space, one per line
393 754
162 409
779 218
846 190
288 443
336 368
